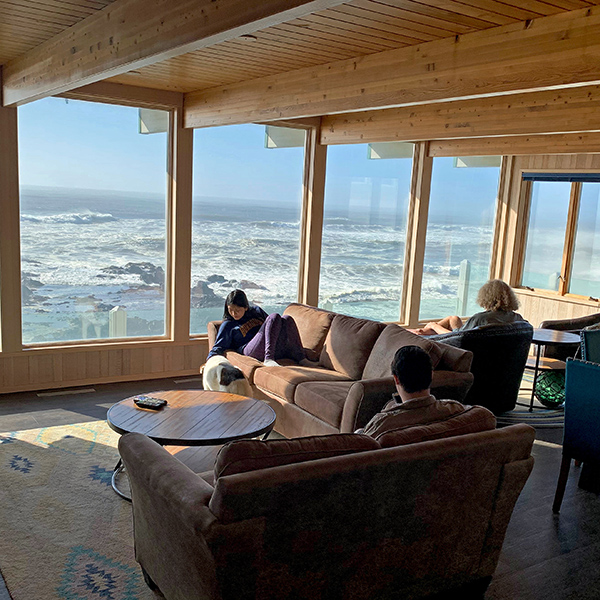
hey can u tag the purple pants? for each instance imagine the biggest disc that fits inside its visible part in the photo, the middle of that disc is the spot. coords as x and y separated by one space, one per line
278 337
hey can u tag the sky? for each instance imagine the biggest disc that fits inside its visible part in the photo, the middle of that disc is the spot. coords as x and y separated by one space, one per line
97 146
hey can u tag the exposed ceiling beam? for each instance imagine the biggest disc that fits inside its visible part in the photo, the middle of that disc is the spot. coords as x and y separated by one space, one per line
555 111
564 143
130 34
550 52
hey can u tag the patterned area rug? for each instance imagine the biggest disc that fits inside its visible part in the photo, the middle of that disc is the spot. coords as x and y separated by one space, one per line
65 533
539 418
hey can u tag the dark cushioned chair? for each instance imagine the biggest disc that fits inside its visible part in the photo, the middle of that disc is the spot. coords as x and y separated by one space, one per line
571 326
499 357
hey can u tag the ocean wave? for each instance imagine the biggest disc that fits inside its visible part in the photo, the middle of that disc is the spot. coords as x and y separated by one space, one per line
86 218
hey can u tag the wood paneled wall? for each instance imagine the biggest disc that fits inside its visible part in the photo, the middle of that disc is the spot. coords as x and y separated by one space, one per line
537 308
48 368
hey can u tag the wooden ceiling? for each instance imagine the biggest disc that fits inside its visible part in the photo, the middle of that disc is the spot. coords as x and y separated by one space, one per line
351 29
24 24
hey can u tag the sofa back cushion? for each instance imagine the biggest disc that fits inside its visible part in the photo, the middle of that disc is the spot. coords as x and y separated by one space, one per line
348 345
313 325
250 455
392 338
472 420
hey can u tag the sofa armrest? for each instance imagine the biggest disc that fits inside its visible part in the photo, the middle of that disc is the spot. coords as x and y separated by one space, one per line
451 385
365 399
453 357
170 514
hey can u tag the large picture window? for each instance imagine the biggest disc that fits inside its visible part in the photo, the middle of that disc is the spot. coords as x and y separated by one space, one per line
462 207
93 220
562 249
364 231
246 217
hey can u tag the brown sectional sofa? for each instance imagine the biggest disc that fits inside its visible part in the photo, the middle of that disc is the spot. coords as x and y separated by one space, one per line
335 516
352 378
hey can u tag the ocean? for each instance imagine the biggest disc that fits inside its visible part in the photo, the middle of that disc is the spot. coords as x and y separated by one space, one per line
90 256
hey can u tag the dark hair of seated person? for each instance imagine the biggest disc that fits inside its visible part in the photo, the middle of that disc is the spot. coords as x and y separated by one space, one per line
235 298
413 368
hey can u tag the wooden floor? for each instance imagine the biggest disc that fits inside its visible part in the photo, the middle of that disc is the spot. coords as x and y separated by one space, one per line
545 557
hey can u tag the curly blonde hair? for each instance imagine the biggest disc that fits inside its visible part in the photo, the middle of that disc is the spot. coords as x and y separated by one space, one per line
497 295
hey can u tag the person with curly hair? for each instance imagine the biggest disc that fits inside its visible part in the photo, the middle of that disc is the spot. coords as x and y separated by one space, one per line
499 302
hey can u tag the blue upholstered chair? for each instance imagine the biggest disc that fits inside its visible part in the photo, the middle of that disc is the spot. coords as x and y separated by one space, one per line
581 439
590 345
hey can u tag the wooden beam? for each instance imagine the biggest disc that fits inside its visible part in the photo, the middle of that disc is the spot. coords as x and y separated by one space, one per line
567 143
555 111
127 95
559 51
130 34
10 241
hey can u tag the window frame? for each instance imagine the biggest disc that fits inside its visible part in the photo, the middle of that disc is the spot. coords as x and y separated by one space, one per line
172 103
527 178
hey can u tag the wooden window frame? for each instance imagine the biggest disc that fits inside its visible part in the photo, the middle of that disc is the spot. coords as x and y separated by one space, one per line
569 240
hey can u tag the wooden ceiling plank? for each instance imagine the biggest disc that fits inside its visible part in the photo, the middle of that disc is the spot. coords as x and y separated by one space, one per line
130 34
297 41
43 9
318 37
563 111
318 33
464 9
423 15
514 12
558 51
283 49
379 22
376 38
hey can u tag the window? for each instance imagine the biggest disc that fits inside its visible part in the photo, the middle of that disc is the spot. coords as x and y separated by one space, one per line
93 220
364 231
459 234
246 217
563 238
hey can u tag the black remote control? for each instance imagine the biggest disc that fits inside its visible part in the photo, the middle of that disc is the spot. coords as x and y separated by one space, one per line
149 402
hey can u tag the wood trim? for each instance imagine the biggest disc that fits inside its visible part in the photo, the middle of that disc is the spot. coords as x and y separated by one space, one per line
520 228
52 368
555 52
10 238
570 234
571 110
501 218
130 34
180 242
126 95
416 234
568 143
313 201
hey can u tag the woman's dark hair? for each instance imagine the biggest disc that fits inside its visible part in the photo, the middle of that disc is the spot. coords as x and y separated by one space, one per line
237 297
413 368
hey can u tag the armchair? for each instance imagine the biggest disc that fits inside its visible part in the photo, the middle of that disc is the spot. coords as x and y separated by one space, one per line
499 358
571 326
581 440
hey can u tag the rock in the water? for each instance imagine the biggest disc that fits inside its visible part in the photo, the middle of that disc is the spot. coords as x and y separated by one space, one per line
204 297
149 273
245 284
216 279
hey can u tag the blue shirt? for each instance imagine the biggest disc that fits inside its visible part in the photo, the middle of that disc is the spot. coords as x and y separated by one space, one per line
234 335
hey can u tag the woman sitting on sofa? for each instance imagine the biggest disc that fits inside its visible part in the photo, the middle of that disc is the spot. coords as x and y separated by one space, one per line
499 302
250 331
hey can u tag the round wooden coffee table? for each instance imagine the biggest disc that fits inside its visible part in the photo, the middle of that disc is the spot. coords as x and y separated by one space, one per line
192 418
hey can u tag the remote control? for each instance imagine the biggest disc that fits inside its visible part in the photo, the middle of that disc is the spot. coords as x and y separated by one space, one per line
149 402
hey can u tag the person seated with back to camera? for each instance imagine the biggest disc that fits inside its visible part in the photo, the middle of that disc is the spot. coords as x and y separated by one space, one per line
248 330
499 302
414 404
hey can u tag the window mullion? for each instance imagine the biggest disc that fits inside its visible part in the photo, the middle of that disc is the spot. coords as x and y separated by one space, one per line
570 234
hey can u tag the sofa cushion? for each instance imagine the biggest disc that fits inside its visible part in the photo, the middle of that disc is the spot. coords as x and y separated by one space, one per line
324 399
348 345
246 364
313 325
471 420
454 359
391 339
250 455
282 381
